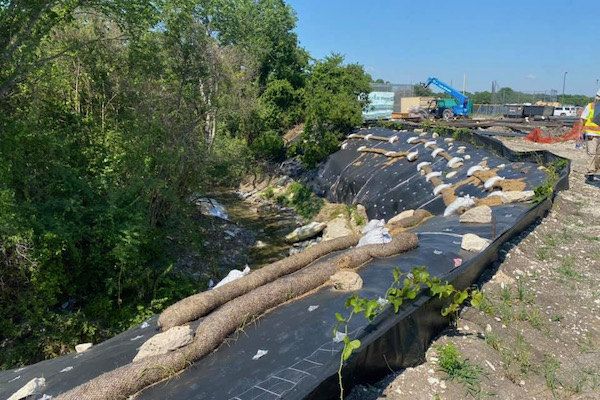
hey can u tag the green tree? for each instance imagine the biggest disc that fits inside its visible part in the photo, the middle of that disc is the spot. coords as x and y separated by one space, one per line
335 98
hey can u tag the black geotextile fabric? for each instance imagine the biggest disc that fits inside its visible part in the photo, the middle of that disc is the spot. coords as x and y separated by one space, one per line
302 358
387 188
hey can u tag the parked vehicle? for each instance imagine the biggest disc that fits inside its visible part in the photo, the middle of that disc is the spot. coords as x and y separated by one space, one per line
459 106
565 111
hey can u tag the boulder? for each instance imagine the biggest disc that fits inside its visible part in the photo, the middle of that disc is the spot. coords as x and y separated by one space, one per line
174 338
305 232
80 348
346 281
336 228
474 243
477 215
402 215
517 196
33 387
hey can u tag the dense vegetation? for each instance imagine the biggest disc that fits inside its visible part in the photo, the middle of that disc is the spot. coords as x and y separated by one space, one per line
112 112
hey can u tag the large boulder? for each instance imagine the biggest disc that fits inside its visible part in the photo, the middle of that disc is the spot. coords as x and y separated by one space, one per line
474 243
477 215
162 343
305 232
31 388
517 196
402 215
336 228
80 348
346 281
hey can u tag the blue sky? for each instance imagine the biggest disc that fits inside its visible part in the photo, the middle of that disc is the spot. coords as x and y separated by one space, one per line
527 45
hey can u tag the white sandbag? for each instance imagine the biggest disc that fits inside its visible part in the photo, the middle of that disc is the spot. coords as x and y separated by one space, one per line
352 136
474 169
436 152
421 165
361 148
412 156
466 201
389 153
393 139
412 139
454 161
430 143
492 181
439 188
432 175
373 224
367 137
233 275
379 235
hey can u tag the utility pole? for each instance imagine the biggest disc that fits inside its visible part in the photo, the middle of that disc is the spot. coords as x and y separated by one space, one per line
564 82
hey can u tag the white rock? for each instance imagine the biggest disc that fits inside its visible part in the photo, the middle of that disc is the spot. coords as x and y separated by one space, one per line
336 228
33 387
477 215
305 232
346 281
402 215
433 381
516 196
474 243
260 244
488 328
174 338
467 157
80 348
435 135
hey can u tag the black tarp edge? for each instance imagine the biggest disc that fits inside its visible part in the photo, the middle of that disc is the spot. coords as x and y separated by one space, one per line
397 341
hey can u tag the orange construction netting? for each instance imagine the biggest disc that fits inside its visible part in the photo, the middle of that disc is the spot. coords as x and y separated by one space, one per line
536 135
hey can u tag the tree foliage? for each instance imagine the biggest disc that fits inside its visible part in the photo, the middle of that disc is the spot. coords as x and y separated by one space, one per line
111 114
335 98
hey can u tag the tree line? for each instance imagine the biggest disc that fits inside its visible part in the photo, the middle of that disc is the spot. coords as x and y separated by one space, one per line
112 113
507 95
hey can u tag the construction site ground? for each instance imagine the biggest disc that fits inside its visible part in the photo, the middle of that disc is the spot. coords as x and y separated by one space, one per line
537 335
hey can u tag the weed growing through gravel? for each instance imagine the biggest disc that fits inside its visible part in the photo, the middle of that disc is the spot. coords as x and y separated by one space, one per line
451 362
544 254
493 340
550 366
566 269
524 294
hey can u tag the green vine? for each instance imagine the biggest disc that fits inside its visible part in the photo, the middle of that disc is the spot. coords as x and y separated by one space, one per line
404 287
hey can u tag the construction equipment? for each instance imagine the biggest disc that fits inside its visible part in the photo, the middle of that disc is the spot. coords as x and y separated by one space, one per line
459 106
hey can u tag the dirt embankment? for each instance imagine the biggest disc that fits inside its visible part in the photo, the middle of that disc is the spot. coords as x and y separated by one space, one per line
538 334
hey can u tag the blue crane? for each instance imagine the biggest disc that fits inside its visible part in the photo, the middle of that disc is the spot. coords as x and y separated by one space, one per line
459 106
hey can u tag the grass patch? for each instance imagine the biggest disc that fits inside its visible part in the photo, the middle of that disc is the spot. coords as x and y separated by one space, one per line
493 340
301 199
550 367
463 371
567 269
524 294
544 254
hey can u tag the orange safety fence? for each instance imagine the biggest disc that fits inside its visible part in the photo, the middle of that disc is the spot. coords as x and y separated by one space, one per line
536 135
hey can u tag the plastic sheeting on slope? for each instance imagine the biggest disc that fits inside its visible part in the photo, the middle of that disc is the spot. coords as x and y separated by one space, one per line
387 188
302 358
